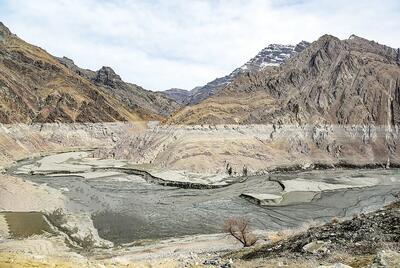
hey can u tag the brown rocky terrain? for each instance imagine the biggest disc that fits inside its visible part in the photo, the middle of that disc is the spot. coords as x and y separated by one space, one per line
353 81
179 95
148 104
335 104
364 235
36 87
272 55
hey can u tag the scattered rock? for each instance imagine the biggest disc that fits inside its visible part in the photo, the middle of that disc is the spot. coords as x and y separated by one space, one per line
263 199
214 261
386 259
316 247
336 265
363 234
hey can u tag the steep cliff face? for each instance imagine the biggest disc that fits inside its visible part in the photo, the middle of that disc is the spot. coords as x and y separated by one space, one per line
37 87
353 81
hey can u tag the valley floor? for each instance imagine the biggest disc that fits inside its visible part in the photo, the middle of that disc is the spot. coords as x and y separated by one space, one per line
186 185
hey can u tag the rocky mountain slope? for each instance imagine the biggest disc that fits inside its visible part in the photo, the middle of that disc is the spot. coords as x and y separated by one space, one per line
179 95
36 87
144 102
353 81
272 55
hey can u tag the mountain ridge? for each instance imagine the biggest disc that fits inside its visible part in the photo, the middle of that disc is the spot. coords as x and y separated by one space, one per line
271 56
136 97
36 87
330 81
351 81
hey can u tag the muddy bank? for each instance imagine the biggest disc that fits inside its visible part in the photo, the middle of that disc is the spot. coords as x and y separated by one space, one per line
67 163
220 149
19 195
258 149
19 141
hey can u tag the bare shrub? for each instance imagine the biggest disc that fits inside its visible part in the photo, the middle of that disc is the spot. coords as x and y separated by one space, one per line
57 217
88 242
239 229
335 220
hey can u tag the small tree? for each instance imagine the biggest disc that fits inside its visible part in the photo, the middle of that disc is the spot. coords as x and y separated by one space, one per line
239 229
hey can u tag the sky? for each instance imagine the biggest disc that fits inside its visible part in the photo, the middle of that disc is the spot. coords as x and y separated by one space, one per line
187 43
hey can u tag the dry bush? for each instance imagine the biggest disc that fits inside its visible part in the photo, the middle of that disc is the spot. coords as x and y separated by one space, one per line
239 229
288 233
56 217
88 242
335 220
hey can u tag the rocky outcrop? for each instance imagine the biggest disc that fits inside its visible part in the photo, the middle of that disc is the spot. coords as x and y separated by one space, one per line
364 234
148 104
398 56
332 81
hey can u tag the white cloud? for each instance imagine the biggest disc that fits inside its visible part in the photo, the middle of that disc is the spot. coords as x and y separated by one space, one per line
172 43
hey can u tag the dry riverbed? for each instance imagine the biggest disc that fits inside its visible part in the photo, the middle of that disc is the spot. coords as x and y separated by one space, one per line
135 217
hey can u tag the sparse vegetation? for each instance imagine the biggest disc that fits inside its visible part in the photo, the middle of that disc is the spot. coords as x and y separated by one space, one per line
239 229
57 217
335 220
88 242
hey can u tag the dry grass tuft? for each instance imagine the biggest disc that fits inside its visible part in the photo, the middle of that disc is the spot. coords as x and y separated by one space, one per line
288 233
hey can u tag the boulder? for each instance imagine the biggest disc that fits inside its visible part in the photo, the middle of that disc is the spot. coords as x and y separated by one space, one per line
316 247
386 259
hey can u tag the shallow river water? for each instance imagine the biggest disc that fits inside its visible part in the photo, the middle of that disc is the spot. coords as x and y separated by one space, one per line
126 208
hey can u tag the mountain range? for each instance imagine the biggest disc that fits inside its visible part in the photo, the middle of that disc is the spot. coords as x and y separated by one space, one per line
333 81
272 55
38 87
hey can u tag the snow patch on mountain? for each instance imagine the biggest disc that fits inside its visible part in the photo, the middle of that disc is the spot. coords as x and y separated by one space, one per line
271 56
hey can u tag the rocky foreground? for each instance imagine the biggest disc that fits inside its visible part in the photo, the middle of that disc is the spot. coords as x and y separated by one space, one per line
368 240
365 234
